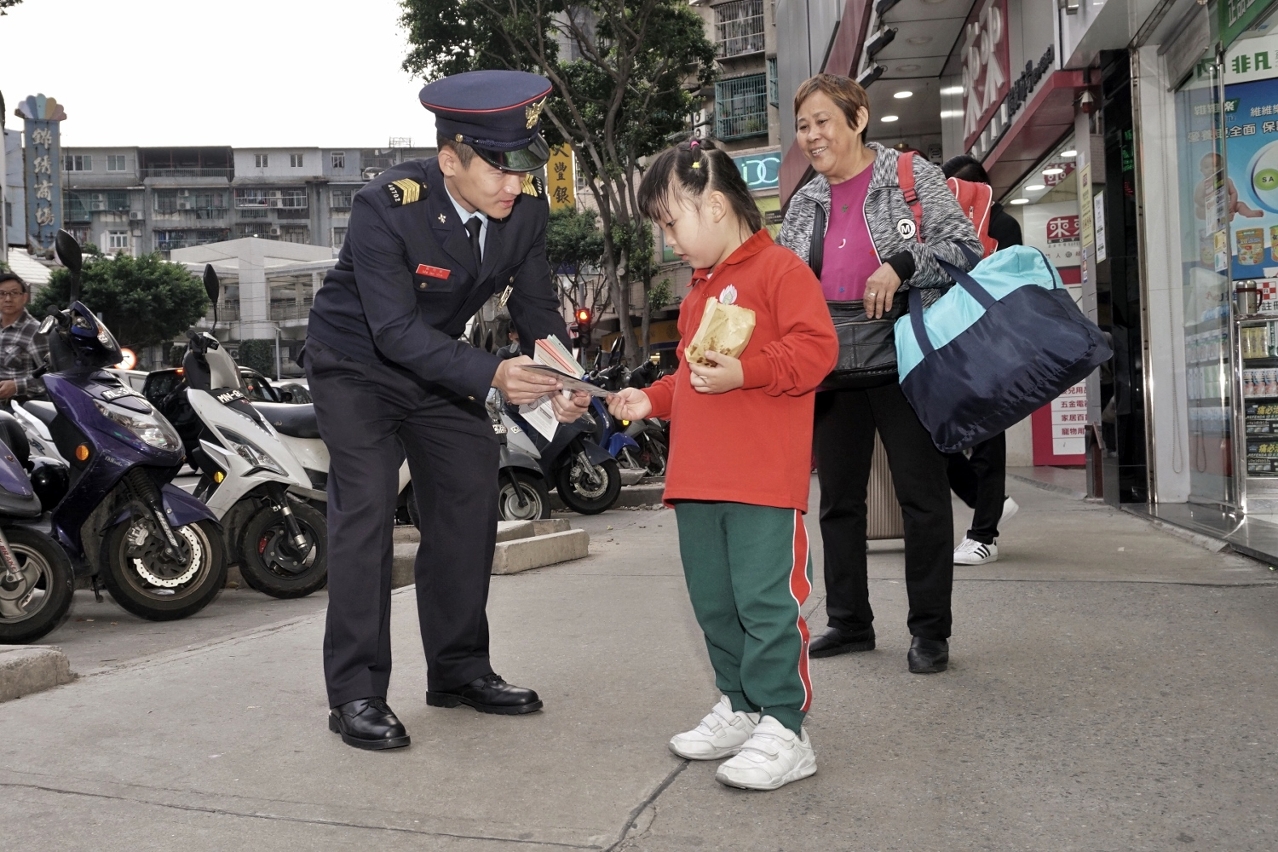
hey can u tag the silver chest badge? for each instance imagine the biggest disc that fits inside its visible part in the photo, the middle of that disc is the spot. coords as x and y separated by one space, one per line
906 228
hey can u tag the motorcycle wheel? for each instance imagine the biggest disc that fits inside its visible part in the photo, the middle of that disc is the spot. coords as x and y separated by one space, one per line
147 583
41 599
579 494
653 456
535 493
270 564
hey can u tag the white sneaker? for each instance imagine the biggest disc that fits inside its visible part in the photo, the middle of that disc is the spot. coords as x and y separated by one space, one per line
772 758
975 553
1010 508
721 733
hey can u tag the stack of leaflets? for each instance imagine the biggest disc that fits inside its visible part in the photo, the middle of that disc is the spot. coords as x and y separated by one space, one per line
552 357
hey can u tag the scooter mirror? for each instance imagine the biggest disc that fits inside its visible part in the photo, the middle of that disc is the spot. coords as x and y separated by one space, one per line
211 285
67 251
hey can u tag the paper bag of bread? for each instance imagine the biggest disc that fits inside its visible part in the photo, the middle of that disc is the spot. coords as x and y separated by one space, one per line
725 329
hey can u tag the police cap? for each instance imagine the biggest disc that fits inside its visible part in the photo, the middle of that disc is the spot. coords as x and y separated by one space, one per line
498 113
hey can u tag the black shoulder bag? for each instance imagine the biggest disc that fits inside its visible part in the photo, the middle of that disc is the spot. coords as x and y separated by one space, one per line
867 347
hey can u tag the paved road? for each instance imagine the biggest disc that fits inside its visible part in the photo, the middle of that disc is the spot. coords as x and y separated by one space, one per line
1113 687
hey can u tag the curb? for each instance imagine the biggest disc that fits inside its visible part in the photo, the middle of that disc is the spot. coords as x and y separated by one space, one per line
521 545
1048 486
25 669
644 494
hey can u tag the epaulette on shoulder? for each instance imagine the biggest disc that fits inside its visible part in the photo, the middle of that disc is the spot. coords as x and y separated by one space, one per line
533 186
406 191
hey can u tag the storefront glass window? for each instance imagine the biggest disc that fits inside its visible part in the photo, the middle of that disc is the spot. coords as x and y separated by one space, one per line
1207 203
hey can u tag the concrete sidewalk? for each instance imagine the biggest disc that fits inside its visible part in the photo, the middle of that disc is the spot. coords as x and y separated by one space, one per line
1112 687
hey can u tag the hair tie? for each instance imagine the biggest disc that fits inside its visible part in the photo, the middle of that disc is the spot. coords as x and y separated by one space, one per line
694 144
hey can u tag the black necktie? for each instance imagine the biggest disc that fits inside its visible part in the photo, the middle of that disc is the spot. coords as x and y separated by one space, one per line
473 225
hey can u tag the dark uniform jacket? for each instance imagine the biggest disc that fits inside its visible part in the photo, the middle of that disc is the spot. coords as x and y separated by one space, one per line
405 282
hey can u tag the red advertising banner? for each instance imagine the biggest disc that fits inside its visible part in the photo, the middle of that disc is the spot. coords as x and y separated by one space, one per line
986 67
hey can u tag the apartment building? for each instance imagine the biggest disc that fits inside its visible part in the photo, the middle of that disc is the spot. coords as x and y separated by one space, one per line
140 200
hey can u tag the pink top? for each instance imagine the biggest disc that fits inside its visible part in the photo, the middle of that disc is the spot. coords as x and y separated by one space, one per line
850 257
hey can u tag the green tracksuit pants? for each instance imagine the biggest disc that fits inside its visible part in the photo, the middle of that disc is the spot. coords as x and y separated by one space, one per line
748 573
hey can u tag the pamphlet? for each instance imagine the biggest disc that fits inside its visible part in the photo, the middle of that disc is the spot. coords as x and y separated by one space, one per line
552 354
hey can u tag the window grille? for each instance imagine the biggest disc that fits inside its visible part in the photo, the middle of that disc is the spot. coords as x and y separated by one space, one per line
738 28
741 107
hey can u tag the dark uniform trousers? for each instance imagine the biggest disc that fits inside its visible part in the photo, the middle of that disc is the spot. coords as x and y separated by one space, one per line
368 415
844 440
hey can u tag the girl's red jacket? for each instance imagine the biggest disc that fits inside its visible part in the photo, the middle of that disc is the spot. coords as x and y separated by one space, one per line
753 444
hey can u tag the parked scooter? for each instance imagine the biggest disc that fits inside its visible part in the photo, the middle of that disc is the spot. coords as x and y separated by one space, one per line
155 548
251 481
298 431
587 478
36 581
523 494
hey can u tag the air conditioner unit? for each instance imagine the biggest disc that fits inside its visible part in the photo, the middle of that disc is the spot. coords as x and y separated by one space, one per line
97 196
97 205
183 193
184 205
137 216
275 231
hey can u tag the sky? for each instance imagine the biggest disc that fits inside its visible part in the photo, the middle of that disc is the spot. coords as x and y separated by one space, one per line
245 73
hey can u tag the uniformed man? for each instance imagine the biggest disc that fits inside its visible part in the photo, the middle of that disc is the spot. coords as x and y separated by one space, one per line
429 242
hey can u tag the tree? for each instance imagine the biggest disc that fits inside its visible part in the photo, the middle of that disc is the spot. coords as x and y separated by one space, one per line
5 4
640 65
143 300
575 248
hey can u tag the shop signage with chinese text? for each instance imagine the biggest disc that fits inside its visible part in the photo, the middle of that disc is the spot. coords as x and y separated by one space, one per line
986 68
559 179
43 168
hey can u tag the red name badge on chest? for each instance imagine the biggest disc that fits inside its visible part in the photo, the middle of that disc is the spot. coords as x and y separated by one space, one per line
432 271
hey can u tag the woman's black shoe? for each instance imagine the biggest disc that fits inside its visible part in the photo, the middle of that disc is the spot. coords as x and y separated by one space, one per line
834 642
367 723
928 656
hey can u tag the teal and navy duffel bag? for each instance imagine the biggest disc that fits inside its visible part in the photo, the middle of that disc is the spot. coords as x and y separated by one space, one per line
1005 342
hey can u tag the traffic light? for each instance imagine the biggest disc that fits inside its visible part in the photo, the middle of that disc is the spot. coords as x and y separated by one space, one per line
583 316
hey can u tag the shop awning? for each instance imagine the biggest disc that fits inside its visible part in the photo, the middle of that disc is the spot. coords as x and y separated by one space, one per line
1046 119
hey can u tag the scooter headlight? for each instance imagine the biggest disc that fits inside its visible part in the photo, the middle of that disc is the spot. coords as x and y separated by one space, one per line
150 426
251 452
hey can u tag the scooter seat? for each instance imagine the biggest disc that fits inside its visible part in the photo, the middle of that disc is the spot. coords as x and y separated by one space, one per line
43 410
294 420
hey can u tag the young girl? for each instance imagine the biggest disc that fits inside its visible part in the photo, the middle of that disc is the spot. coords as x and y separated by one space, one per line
740 460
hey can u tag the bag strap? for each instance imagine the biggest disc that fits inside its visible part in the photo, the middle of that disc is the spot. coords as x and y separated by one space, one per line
967 282
905 178
816 250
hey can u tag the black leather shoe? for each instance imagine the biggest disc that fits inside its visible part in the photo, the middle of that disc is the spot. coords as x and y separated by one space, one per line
367 723
929 656
834 642
487 694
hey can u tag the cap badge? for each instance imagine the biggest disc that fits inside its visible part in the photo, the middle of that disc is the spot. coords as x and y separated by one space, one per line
532 185
405 191
533 113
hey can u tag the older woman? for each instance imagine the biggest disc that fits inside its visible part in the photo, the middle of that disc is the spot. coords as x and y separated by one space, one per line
872 252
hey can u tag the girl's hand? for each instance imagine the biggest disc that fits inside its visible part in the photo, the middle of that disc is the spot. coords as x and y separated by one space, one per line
630 404
880 287
725 375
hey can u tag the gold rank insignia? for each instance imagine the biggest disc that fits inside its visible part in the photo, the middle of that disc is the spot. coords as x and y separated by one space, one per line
406 191
533 112
533 186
